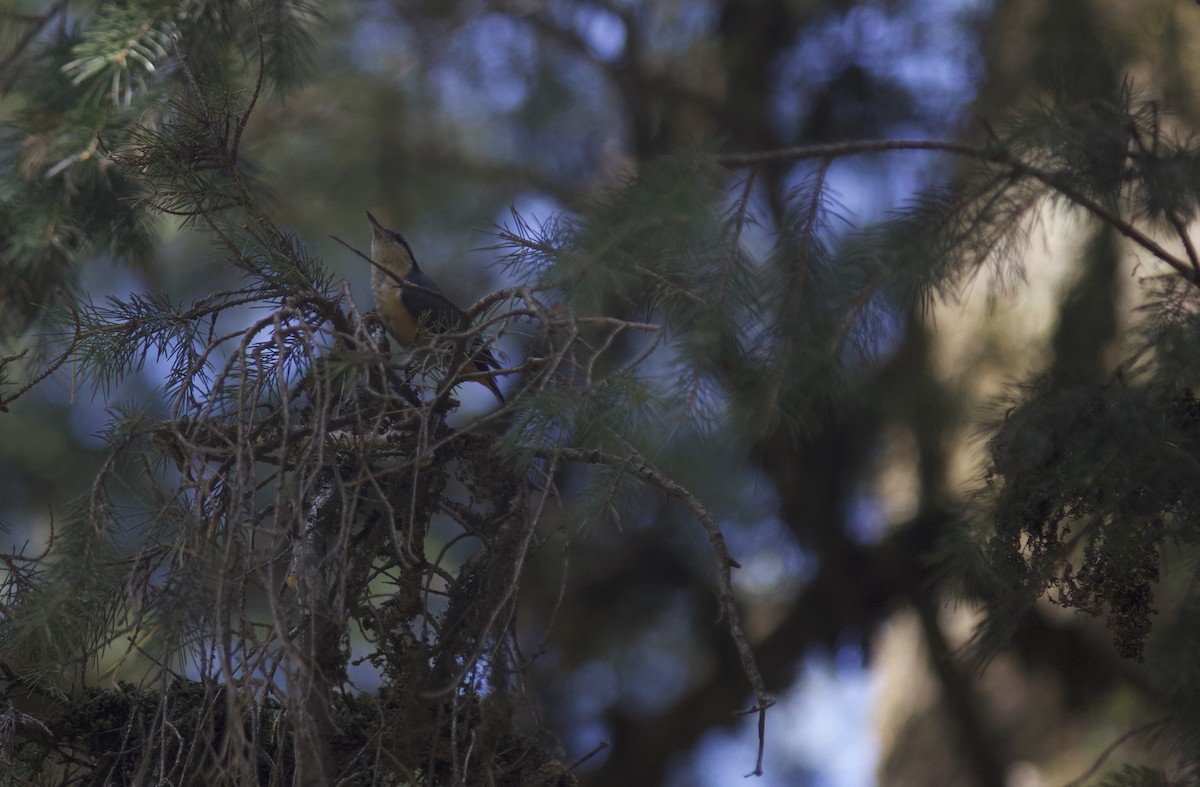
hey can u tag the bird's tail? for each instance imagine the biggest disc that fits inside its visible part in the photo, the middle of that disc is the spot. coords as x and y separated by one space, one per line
485 361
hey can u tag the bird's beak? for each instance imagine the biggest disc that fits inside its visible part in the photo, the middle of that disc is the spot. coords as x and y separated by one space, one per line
377 229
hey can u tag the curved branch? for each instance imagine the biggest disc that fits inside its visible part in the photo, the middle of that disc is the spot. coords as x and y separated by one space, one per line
637 464
1112 747
990 155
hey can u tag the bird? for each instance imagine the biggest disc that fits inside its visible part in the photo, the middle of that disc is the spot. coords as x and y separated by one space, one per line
407 311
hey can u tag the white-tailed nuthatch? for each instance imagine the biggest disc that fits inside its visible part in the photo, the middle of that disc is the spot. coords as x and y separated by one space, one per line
409 310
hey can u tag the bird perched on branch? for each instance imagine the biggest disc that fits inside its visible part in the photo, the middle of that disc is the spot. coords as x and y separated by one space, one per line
410 302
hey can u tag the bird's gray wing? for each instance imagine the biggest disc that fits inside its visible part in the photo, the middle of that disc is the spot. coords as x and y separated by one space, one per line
434 312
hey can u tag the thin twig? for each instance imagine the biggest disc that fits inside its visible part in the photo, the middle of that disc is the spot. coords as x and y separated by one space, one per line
599 747
245 116
1112 747
1188 246
31 34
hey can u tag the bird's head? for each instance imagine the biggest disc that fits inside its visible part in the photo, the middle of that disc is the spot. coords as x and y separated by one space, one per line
389 249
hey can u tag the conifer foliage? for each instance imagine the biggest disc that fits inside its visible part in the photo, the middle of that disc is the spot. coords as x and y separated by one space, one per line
275 502
258 537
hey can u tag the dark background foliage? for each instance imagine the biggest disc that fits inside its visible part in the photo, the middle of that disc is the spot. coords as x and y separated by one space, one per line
937 397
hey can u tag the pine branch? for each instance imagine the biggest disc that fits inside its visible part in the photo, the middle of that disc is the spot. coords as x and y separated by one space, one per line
1056 181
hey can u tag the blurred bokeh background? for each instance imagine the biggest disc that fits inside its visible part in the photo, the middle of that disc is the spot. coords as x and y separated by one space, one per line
447 117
